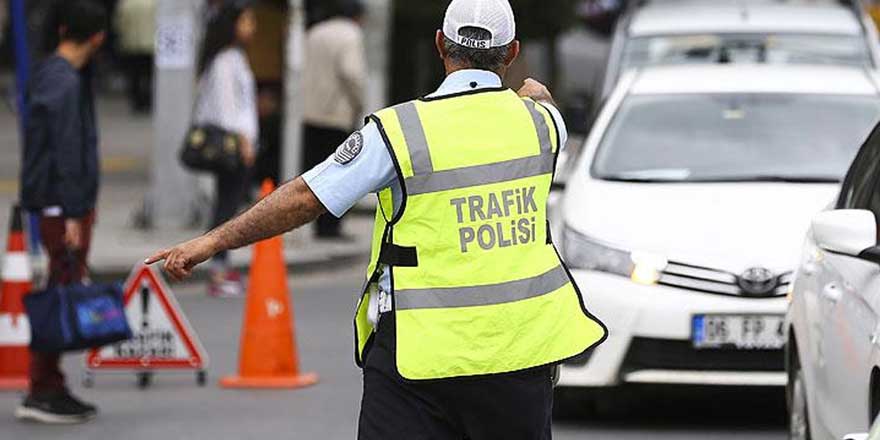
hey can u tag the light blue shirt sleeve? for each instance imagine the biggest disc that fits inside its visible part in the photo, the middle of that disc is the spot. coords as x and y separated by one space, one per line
340 186
560 123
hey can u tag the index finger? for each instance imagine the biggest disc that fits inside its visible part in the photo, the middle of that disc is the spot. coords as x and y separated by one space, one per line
159 256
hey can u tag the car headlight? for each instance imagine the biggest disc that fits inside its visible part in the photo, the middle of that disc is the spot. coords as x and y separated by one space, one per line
582 252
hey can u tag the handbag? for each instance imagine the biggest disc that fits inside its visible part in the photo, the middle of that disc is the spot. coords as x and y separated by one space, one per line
211 148
76 317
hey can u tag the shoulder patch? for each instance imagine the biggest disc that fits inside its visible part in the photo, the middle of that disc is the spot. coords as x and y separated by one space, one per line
350 149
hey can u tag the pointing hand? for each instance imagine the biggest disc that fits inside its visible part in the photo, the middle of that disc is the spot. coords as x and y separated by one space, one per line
181 259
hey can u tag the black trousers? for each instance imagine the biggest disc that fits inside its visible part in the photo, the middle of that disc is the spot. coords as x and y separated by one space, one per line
516 406
319 144
232 190
139 69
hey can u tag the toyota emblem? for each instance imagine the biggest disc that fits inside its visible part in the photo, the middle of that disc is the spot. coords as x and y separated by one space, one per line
758 281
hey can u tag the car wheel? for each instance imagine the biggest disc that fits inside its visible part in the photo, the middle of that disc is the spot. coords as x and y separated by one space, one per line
798 418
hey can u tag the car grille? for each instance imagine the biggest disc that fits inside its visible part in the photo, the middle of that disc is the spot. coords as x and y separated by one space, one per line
664 354
702 279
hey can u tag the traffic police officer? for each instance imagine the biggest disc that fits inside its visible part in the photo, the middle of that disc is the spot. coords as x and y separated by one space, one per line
467 306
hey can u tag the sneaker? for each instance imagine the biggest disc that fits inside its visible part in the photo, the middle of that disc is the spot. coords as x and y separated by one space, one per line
88 407
215 288
229 285
60 408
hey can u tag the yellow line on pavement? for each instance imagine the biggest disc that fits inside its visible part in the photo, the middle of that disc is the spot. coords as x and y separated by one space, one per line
121 164
110 165
8 186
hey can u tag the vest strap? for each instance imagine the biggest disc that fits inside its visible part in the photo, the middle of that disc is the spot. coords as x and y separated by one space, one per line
400 256
443 298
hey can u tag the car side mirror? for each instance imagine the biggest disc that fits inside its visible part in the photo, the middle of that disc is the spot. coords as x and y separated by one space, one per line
856 437
850 232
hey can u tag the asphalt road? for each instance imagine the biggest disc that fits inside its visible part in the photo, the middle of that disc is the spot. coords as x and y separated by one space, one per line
175 408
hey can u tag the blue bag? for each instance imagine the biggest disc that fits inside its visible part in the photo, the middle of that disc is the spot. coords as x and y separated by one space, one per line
76 317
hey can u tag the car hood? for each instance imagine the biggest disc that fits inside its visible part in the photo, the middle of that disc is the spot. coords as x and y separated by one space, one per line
725 226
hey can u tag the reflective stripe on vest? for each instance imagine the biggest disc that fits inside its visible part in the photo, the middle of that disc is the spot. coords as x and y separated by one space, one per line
510 291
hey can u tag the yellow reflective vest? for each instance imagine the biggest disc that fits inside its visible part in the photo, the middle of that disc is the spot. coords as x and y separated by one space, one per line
477 286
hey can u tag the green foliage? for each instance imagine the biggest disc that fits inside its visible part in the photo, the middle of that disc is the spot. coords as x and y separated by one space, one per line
536 19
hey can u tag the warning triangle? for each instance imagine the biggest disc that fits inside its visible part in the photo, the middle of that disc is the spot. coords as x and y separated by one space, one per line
163 338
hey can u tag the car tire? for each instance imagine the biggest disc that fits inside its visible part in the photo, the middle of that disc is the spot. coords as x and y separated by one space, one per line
798 404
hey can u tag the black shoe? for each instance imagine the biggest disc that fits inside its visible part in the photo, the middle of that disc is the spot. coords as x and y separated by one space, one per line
59 408
88 408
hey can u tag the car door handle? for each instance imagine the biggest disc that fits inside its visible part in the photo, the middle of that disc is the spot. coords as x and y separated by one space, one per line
832 293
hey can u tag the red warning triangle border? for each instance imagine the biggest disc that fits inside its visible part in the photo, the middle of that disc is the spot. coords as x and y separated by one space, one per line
157 285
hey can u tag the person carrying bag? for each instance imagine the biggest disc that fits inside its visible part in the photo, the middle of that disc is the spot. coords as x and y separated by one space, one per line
224 132
60 182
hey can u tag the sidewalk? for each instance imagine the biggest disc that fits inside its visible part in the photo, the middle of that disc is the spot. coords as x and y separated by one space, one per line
118 246
126 143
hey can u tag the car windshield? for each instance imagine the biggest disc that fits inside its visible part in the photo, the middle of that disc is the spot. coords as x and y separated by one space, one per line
735 137
746 48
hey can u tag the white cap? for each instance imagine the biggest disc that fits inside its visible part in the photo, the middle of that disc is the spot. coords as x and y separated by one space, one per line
494 16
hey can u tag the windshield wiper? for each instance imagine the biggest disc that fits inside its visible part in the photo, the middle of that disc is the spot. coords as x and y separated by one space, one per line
640 179
661 175
768 178
722 179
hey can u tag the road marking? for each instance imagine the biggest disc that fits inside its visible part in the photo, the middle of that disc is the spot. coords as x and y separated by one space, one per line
110 165
8 186
121 164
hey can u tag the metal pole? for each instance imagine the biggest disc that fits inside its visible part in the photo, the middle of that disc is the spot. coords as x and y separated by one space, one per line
22 58
377 35
172 201
18 19
378 24
293 113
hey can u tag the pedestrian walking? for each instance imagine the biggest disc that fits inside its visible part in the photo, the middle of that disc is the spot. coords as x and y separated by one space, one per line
59 180
467 307
333 91
135 23
227 98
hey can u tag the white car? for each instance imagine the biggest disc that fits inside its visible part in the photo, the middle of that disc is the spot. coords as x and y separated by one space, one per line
683 217
833 355
655 32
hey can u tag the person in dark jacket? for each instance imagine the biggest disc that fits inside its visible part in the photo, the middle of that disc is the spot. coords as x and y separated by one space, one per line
59 180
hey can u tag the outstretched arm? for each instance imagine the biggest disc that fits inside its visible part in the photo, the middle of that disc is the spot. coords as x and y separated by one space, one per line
288 208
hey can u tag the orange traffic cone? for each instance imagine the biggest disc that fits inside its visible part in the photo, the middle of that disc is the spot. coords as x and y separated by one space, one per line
15 333
268 357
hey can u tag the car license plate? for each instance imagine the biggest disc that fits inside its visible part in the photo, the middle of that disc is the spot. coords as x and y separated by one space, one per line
743 332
